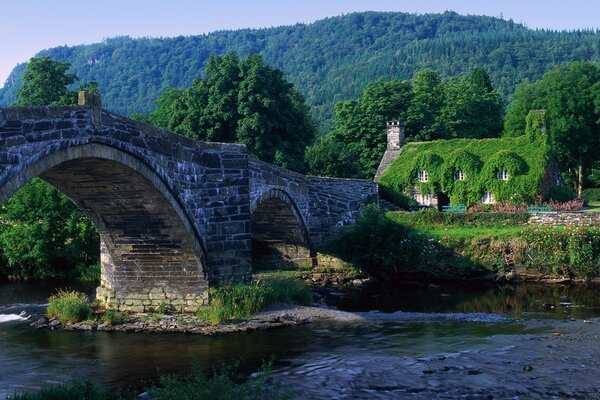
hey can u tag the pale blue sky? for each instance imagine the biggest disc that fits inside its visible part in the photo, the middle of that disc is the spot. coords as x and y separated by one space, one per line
27 26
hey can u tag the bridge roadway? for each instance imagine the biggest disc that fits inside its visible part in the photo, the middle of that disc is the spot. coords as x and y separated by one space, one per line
175 215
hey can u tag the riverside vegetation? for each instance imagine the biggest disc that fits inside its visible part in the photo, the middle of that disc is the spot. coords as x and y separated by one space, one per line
223 384
434 245
226 303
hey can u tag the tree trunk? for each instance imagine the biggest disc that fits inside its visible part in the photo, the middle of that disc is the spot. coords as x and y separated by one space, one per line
580 177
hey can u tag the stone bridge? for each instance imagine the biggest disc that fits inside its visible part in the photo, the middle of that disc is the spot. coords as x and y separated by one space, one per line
175 215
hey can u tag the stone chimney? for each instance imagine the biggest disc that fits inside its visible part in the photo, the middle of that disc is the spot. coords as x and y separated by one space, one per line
395 141
395 135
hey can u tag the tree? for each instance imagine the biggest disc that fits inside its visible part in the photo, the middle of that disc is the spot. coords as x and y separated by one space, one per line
359 132
243 101
472 108
42 233
46 82
427 101
570 94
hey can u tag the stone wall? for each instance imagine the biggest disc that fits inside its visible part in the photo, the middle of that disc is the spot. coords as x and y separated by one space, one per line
565 218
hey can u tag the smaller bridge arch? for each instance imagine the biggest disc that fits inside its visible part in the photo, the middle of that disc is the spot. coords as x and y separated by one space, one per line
279 235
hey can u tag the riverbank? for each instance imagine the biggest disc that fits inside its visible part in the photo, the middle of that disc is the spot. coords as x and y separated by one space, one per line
431 245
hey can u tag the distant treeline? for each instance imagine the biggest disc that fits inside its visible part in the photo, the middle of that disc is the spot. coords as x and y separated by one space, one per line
328 61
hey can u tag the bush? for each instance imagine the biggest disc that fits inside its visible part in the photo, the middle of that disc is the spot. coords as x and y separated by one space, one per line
241 301
69 307
472 218
571 205
112 317
386 248
592 194
561 194
397 198
573 251
221 385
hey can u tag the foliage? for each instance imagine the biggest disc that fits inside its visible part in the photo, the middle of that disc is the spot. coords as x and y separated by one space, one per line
243 101
355 146
241 301
450 245
570 205
570 95
431 109
329 60
386 249
524 159
221 385
112 317
592 194
573 251
45 82
44 235
69 307
398 198
470 219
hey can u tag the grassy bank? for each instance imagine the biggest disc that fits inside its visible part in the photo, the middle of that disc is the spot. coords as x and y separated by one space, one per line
241 301
451 246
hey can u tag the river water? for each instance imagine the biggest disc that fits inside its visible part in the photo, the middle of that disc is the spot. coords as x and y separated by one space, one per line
525 345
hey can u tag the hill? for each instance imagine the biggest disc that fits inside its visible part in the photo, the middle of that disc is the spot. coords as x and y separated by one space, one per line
329 60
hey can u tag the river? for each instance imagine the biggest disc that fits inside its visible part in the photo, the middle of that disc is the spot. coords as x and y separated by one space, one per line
533 347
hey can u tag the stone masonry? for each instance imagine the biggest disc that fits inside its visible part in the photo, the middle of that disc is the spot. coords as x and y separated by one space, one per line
174 214
565 218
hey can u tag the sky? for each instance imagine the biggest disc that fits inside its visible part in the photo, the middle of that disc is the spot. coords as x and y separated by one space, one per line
28 26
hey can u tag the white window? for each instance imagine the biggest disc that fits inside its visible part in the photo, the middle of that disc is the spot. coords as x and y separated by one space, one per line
423 176
459 175
502 175
423 199
488 198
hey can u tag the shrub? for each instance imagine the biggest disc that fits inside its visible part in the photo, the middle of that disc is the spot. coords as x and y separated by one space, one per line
112 317
221 385
241 301
571 205
571 251
69 307
385 248
592 194
398 198
471 218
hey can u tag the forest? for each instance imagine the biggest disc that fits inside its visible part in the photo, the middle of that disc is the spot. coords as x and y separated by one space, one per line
329 60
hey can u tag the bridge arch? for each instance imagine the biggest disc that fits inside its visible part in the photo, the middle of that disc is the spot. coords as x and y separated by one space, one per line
280 238
151 251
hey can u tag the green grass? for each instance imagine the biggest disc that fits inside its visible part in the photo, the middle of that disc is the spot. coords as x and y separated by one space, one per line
473 233
592 207
69 307
242 301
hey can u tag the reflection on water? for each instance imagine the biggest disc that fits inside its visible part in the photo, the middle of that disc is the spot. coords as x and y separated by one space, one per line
30 358
546 301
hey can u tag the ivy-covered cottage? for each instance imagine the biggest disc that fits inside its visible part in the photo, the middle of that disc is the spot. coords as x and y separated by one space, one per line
468 171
